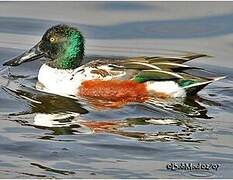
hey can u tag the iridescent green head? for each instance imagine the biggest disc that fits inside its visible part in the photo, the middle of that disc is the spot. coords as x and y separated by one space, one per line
62 45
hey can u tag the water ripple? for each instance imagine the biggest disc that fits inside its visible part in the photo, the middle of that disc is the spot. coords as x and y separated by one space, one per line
157 29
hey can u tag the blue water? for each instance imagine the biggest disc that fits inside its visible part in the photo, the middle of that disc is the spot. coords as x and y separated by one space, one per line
48 136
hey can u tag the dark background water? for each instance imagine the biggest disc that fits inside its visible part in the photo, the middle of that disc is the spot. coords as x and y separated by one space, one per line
146 137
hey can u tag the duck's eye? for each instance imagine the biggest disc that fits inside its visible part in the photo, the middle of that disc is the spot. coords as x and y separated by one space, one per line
52 39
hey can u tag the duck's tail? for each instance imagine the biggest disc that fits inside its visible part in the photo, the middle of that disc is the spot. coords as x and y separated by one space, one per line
194 88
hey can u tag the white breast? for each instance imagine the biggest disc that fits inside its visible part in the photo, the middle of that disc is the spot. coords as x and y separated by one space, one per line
64 82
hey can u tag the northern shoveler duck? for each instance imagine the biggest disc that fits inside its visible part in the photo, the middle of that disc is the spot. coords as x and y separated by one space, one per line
131 79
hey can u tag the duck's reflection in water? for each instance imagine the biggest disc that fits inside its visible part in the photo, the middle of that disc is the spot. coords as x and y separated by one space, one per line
65 116
145 129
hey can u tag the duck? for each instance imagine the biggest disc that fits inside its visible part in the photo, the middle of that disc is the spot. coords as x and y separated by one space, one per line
132 79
